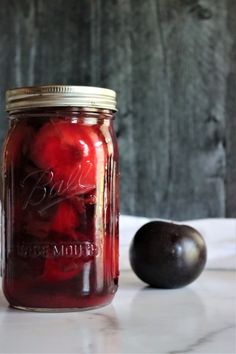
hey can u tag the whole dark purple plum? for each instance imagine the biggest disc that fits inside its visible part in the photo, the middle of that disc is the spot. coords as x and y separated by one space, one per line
167 255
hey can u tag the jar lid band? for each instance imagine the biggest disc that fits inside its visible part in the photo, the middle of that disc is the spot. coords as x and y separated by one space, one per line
60 95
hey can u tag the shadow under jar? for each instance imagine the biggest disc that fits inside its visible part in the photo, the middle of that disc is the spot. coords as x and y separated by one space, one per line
60 204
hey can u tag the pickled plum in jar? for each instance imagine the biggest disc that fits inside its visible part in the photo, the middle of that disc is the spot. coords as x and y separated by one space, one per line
60 209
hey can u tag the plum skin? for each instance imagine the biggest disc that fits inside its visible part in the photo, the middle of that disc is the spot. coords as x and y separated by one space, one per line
166 255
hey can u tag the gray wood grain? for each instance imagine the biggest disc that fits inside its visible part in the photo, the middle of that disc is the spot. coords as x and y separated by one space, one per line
230 177
172 63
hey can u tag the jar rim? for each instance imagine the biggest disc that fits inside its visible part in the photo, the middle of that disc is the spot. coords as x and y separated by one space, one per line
60 96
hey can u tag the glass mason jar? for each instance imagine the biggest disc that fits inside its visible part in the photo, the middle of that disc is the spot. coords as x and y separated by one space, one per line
60 203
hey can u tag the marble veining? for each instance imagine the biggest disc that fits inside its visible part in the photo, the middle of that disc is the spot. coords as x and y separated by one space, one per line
208 337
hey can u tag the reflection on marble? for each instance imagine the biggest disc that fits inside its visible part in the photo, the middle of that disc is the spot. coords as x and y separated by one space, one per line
199 318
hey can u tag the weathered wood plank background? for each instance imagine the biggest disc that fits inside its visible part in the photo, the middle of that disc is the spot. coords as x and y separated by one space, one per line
173 64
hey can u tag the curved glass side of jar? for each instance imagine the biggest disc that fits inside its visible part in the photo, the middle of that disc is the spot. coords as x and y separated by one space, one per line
60 177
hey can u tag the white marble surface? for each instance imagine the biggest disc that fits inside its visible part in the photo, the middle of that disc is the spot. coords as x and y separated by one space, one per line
199 318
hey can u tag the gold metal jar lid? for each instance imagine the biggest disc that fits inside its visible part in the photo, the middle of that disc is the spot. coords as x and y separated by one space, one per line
60 95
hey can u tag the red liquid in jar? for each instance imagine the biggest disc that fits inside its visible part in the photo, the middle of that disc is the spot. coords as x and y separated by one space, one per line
61 211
